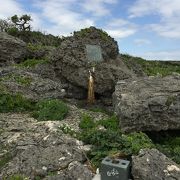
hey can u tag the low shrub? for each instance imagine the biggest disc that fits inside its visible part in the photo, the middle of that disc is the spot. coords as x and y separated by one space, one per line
86 122
109 140
15 103
50 110
170 146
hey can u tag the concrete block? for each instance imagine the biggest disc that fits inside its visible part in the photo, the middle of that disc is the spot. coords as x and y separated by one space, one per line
114 169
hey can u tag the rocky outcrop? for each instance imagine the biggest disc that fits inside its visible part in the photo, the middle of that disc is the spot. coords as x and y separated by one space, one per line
11 49
148 104
70 61
39 52
41 149
151 164
30 85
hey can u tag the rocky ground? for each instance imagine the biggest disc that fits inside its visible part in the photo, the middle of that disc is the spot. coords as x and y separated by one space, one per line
40 149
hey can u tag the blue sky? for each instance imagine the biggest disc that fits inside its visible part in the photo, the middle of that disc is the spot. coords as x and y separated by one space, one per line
145 28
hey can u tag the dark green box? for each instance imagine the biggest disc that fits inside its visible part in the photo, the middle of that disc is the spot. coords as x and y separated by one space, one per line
114 169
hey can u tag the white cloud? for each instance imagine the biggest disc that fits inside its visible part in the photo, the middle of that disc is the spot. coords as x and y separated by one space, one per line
141 42
161 55
98 7
120 28
62 17
10 7
170 28
167 10
120 33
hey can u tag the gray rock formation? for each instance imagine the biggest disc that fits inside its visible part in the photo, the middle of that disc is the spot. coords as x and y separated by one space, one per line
150 164
11 49
39 52
148 104
31 85
40 149
70 61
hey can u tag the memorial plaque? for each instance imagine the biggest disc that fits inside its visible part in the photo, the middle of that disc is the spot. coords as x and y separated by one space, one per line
94 53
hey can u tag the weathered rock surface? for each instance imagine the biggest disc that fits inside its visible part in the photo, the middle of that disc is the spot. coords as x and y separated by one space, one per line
40 149
11 49
148 104
151 164
31 85
70 61
41 52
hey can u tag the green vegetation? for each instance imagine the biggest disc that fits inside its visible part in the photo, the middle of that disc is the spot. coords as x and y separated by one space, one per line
3 88
107 139
98 109
50 110
19 26
87 122
36 37
170 146
17 177
14 103
35 47
31 63
5 159
152 68
22 22
86 31
22 80
67 130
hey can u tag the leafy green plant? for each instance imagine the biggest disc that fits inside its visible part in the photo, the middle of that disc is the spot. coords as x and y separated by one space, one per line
15 103
109 140
110 123
13 31
86 122
67 130
50 110
137 141
170 146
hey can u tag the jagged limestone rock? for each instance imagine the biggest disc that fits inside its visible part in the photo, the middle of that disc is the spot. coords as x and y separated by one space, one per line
11 49
41 149
151 164
148 104
70 61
